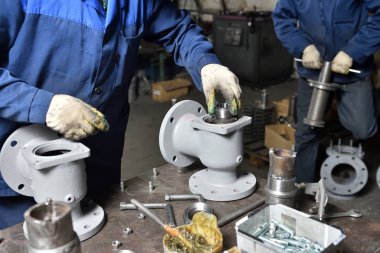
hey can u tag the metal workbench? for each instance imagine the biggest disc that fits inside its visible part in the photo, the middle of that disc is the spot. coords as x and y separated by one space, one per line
362 234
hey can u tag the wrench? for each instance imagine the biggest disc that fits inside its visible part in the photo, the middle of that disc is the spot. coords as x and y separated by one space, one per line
351 213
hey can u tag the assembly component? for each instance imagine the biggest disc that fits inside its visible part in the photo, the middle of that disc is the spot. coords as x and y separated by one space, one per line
317 108
325 74
54 153
194 208
175 197
201 183
222 112
334 150
168 208
201 124
281 163
323 238
49 228
354 178
322 199
180 113
14 168
222 152
65 182
281 187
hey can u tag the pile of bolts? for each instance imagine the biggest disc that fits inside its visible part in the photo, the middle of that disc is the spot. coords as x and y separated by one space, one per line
283 237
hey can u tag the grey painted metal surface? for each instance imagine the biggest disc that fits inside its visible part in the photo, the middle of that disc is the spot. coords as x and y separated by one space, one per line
185 136
354 172
36 162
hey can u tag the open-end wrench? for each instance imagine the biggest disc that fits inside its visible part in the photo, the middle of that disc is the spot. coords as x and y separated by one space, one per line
351 213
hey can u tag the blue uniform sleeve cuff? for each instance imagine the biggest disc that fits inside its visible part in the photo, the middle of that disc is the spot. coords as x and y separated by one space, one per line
355 54
39 106
207 59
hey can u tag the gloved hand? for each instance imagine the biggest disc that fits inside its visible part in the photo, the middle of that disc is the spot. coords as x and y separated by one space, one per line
311 58
74 118
217 77
341 63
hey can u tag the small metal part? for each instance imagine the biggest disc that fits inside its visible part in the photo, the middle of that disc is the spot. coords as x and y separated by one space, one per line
322 199
116 244
259 231
151 186
122 186
155 172
351 213
267 240
175 197
127 231
194 208
284 227
141 216
168 208
272 230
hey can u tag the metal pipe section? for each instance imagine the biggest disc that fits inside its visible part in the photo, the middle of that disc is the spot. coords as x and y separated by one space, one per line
281 188
49 227
168 208
175 197
320 97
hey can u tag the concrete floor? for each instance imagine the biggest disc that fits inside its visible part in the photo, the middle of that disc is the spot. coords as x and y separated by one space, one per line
142 153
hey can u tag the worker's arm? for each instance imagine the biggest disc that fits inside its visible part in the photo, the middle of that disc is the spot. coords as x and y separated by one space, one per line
26 103
181 37
367 41
285 25
19 101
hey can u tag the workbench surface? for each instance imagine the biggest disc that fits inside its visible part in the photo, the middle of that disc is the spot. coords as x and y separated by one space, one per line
362 234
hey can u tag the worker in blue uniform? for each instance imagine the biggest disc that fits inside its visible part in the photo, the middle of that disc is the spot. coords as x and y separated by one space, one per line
68 64
346 33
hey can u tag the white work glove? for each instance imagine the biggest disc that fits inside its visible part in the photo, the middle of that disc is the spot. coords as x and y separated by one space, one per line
341 63
217 77
311 58
74 118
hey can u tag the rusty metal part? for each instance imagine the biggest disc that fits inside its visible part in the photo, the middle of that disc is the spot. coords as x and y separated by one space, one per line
168 208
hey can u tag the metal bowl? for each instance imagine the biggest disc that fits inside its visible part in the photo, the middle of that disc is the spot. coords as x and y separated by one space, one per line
196 207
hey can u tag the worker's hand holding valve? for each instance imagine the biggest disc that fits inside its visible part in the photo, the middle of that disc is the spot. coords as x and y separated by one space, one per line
341 63
217 77
74 118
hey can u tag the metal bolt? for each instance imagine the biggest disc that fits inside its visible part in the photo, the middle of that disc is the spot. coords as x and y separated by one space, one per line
155 172
272 230
260 229
116 244
122 186
127 231
267 240
283 227
339 145
151 187
141 216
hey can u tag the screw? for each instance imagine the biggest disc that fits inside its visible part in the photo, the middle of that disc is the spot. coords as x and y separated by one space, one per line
151 187
122 186
116 244
127 231
283 227
260 229
272 230
155 172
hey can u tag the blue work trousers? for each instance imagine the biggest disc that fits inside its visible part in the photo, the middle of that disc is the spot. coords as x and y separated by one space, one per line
357 112
12 209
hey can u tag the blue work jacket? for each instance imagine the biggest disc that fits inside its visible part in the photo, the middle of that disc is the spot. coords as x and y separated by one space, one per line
331 25
73 47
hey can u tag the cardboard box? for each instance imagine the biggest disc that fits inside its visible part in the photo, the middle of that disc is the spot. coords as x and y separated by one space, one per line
282 107
279 136
167 90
